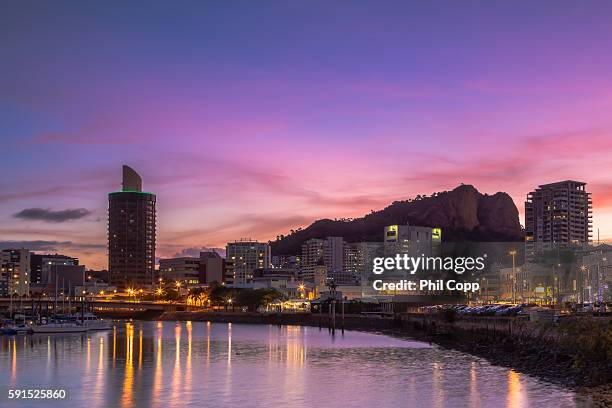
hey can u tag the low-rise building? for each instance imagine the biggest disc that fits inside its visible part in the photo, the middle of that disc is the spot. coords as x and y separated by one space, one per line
553 284
15 272
212 268
286 261
94 288
185 270
43 266
64 277
595 274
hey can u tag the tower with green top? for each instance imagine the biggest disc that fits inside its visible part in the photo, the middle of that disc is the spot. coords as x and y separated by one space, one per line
131 233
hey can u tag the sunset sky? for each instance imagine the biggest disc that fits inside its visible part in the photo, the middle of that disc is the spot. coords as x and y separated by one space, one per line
249 118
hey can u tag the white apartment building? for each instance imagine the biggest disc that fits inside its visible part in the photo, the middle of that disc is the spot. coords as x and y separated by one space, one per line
243 257
557 215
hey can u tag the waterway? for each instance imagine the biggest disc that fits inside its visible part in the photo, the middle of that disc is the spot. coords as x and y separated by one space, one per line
196 364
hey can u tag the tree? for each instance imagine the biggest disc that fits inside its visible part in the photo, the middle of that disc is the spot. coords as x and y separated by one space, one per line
254 298
171 294
220 294
198 296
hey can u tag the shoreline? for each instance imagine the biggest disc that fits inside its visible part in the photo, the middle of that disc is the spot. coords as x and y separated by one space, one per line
502 348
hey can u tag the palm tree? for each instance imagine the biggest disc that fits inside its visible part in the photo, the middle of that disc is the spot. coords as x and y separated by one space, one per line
198 296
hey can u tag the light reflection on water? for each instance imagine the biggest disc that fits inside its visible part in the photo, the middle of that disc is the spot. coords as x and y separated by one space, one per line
167 364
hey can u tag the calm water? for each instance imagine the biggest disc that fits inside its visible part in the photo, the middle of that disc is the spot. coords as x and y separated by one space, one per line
167 364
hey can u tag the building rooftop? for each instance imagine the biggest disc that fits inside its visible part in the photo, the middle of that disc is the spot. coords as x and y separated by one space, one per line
562 183
131 180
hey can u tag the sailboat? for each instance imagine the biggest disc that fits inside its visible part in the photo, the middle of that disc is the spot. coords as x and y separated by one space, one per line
59 328
92 322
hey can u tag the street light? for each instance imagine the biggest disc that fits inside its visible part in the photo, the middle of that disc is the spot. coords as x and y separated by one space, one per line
583 269
513 254
159 292
130 292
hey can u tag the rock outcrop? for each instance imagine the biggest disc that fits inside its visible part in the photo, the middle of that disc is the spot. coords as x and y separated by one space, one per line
464 214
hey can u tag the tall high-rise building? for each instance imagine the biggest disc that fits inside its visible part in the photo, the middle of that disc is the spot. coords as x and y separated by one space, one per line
131 233
15 272
243 257
557 215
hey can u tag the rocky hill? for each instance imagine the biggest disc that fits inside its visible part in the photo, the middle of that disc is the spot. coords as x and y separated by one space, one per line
464 214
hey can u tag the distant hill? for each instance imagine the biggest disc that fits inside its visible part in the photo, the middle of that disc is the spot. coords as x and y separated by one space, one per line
464 214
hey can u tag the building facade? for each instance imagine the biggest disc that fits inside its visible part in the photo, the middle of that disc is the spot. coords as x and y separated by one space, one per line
243 257
557 215
359 259
131 233
212 268
412 240
331 250
15 272
595 274
286 261
44 266
184 270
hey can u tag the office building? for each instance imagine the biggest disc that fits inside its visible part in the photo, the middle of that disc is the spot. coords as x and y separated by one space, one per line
99 275
275 273
412 240
286 261
44 267
594 274
49 270
557 215
359 259
243 257
185 270
207 268
330 249
15 272
212 267
131 233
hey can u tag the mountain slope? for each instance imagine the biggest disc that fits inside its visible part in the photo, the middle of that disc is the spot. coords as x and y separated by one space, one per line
464 214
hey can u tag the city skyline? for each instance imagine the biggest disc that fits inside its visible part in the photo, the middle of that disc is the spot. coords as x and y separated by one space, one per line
241 133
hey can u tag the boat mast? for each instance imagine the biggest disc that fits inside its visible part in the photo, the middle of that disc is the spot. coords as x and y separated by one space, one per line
55 300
